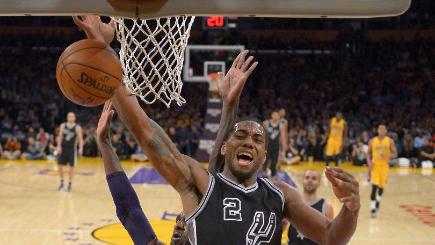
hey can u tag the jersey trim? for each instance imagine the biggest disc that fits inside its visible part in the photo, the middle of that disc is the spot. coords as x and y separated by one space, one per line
231 183
192 233
204 199
324 207
275 189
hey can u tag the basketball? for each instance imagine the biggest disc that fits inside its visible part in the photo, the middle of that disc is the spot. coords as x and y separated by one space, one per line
88 72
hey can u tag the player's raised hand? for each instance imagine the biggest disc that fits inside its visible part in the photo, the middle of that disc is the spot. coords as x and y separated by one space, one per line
103 128
95 28
231 85
345 186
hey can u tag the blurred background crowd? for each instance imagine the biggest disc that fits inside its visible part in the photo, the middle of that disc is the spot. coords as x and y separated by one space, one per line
370 76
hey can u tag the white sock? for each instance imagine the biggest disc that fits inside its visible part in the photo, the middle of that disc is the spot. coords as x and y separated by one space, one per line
378 198
373 205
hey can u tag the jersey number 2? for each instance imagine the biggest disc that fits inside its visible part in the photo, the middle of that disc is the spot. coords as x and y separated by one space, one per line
232 209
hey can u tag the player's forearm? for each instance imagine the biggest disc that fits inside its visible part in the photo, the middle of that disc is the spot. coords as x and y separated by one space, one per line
110 159
341 229
128 209
81 142
59 141
228 116
131 114
154 141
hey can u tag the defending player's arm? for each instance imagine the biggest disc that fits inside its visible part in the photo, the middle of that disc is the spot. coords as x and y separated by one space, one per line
316 226
60 138
127 204
230 87
79 132
183 173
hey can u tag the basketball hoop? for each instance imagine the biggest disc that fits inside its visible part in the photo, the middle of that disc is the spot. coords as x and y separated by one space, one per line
212 85
152 55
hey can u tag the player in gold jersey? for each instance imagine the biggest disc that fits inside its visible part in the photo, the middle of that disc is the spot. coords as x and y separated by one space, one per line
336 136
381 151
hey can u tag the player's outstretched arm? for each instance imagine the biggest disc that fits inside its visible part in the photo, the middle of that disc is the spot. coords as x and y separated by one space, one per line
316 226
127 204
230 87
182 172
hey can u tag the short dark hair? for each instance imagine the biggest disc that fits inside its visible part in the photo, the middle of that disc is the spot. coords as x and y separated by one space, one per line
220 159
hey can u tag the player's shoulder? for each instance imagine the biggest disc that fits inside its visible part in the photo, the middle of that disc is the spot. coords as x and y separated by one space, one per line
286 189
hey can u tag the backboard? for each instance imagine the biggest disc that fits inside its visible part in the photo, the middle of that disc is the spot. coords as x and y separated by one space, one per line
164 8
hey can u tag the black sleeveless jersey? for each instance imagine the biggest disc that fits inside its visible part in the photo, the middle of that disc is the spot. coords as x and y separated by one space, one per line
231 214
273 131
69 139
297 238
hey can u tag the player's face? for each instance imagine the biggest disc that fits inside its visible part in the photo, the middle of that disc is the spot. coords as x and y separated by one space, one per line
311 181
179 236
71 117
282 113
382 130
275 116
339 116
245 150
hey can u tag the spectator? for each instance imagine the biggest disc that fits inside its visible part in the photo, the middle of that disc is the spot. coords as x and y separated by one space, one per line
43 138
139 155
427 152
294 154
33 151
359 154
12 149
172 133
119 147
408 146
183 137
194 139
418 142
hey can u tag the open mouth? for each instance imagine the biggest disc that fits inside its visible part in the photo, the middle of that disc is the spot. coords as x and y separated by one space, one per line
176 236
244 158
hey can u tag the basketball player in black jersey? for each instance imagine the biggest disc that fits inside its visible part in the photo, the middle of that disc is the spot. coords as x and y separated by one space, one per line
70 134
275 131
234 206
311 182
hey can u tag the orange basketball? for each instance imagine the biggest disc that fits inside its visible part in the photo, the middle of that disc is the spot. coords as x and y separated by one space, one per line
88 72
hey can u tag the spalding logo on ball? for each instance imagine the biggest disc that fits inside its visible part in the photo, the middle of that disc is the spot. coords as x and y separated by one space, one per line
88 72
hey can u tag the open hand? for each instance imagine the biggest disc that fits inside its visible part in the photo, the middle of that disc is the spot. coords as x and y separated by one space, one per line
345 187
103 128
231 86
95 28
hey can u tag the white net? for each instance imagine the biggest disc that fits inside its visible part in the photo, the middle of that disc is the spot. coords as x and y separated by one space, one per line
152 55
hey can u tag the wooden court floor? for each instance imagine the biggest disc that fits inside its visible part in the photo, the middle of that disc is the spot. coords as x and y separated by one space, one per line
34 212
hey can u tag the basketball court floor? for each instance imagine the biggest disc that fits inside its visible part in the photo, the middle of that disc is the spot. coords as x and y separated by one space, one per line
34 212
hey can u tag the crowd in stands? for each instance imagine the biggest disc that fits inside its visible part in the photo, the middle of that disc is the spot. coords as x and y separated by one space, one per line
393 83
390 82
33 107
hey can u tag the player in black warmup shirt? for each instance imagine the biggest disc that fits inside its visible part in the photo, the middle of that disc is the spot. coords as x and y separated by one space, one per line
310 183
244 152
275 130
70 134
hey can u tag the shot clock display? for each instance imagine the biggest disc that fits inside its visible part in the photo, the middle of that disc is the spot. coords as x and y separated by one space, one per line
215 22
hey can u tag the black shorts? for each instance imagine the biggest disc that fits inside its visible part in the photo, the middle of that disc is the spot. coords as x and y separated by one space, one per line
272 155
67 157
